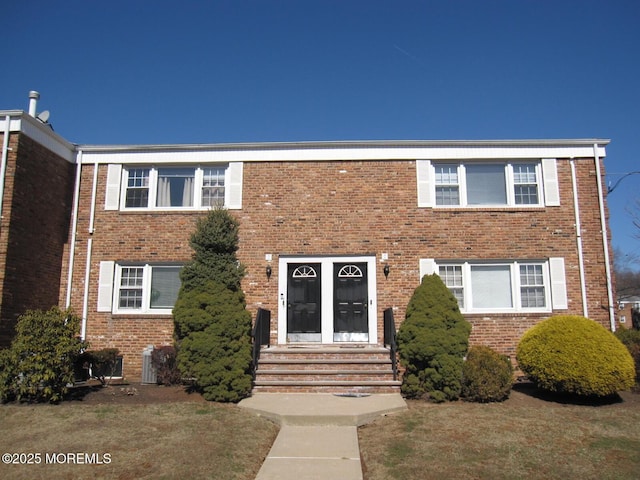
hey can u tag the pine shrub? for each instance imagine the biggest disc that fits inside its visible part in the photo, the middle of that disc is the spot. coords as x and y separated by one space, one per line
39 365
487 376
215 346
212 324
432 342
571 354
214 243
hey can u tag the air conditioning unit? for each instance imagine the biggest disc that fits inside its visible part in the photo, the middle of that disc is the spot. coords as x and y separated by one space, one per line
148 372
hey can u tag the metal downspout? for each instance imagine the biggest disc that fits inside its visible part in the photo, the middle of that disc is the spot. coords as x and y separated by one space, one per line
576 207
74 228
87 272
5 158
605 240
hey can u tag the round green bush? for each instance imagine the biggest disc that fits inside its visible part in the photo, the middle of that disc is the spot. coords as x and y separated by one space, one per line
574 355
487 376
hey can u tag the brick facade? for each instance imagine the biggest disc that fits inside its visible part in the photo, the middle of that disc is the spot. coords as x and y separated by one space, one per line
334 208
34 229
342 202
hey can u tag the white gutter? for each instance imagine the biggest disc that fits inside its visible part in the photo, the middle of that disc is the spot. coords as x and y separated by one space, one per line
87 272
74 228
605 240
576 207
5 157
94 192
85 300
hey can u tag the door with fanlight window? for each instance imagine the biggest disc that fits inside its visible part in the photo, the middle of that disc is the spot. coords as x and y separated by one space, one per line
350 302
304 302
327 300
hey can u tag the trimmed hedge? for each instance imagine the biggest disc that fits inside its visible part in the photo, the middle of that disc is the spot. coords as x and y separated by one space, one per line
487 376
574 355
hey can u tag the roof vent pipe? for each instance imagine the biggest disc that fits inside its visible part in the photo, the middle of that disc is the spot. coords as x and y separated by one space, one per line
33 102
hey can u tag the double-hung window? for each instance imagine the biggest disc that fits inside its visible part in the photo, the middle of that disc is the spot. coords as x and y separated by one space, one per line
477 184
171 187
501 286
146 288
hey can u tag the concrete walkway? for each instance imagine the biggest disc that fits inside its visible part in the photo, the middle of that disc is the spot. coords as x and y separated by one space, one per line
318 438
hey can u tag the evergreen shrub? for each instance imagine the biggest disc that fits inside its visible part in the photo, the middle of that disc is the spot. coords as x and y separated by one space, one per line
487 376
214 243
432 342
39 365
212 324
215 346
574 355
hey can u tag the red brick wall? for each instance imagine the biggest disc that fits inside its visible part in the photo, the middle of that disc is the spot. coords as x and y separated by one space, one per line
346 208
34 229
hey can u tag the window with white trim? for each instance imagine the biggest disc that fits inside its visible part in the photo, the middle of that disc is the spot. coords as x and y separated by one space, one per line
172 187
474 184
146 288
501 286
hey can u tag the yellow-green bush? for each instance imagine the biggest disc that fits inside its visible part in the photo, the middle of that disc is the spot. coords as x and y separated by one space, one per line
575 355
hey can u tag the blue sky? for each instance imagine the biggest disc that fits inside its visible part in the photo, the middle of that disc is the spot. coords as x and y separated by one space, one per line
138 72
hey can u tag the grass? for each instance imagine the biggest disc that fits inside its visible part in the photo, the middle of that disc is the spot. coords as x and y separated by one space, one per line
512 441
167 441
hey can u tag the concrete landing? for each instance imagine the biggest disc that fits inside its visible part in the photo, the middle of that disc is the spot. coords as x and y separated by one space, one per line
318 438
323 408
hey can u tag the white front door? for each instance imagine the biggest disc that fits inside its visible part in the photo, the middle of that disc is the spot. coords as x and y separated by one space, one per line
327 300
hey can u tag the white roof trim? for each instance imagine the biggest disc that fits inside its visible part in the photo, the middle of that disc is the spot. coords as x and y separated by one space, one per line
300 152
41 133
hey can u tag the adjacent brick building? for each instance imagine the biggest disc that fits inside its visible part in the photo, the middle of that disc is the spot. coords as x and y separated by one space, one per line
331 233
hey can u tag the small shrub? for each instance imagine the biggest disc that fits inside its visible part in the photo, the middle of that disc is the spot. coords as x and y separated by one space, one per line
574 355
103 363
487 376
432 342
165 363
39 365
631 340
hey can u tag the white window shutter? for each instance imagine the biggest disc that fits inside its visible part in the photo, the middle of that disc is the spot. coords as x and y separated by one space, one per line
550 178
114 179
424 176
235 186
105 286
427 267
558 284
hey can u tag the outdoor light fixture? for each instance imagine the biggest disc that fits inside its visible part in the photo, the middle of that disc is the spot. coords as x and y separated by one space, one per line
385 270
269 271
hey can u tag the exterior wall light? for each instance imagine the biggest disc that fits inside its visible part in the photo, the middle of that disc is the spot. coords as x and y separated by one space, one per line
385 270
269 271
